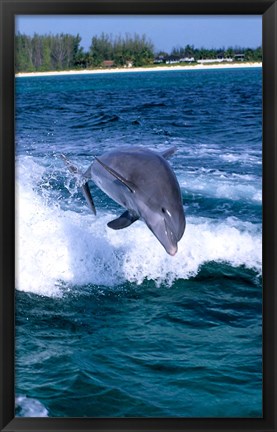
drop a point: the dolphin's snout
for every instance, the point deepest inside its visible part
(173, 250)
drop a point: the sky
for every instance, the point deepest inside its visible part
(165, 32)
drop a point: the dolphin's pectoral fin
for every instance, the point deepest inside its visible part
(167, 153)
(125, 220)
(88, 197)
(119, 177)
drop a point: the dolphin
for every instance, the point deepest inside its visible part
(143, 182)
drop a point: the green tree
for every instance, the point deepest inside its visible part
(229, 53)
(135, 49)
(258, 54)
(23, 53)
(189, 51)
(46, 64)
(101, 49)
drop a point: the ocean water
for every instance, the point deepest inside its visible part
(108, 324)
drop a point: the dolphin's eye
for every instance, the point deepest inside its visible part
(165, 211)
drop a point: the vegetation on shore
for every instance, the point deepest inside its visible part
(44, 53)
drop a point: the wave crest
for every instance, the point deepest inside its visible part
(63, 247)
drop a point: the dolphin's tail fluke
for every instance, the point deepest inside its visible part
(85, 189)
(72, 168)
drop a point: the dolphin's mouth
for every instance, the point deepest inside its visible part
(165, 235)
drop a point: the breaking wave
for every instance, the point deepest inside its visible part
(60, 247)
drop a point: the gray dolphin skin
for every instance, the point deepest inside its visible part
(143, 182)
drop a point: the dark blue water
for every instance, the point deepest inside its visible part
(108, 324)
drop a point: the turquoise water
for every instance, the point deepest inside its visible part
(108, 324)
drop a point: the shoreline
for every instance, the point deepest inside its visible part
(140, 69)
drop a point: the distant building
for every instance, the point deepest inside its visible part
(128, 64)
(108, 63)
(159, 60)
(207, 61)
(239, 57)
(172, 60)
(219, 59)
(222, 58)
(187, 60)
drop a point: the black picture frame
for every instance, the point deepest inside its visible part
(8, 10)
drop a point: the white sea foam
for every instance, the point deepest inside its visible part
(222, 185)
(242, 158)
(57, 247)
(29, 407)
(212, 151)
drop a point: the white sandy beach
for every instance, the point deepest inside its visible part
(142, 69)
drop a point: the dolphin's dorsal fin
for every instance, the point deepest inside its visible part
(125, 220)
(167, 153)
(119, 177)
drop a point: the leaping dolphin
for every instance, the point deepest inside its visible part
(142, 181)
